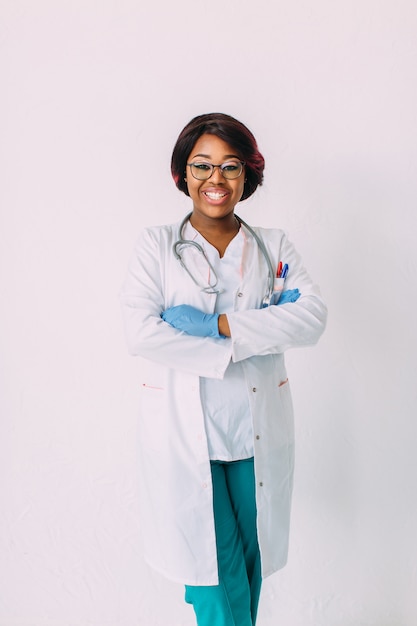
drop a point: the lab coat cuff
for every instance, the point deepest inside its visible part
(240, 347)
(221, 367)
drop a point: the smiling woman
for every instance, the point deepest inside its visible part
(217, 478)
(215, 195)
(232, 132)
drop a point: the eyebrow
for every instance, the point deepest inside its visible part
(207, 156)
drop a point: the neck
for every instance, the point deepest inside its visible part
(218, 232)
(221, 226)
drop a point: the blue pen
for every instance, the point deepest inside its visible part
(284, 271)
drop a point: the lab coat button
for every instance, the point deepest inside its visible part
(240, 294)
(257, 436)
(254, 389)
(204, 485)
(261, 484)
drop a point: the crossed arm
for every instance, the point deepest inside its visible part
(195, 322)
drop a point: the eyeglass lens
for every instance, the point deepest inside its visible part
(203, 171)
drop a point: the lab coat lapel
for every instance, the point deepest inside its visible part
(254, 274)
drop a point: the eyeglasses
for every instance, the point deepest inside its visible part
(203, 171)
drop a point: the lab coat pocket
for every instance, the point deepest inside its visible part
(287, 408)
(152, 423)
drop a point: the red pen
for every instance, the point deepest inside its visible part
(279, 269)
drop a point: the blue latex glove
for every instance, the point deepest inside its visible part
(192, 321)
(289, 295)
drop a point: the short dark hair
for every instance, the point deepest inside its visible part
(233, 132)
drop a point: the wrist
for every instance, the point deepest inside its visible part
(223, 324)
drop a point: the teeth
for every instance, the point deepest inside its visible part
(215, 195)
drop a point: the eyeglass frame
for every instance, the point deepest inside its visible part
(220, 165)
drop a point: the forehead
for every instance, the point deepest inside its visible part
(213, 147)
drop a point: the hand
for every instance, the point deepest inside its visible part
(289, 295)
(192, 321)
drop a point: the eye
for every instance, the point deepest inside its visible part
(230, 167)
(202, 167)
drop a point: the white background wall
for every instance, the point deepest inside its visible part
(93, 96)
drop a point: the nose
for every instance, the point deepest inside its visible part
(217, 174)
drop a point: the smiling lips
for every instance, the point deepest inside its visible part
(215, 194)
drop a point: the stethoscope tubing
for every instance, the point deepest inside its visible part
(261, 245)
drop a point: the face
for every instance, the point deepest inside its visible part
(216, 197)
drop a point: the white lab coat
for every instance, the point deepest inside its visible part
(176, 490)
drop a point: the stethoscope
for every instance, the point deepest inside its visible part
(212, 288)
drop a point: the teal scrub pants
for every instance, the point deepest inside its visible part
(234, 601)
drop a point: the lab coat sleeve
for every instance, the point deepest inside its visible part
(142, 300)
(274, 329)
